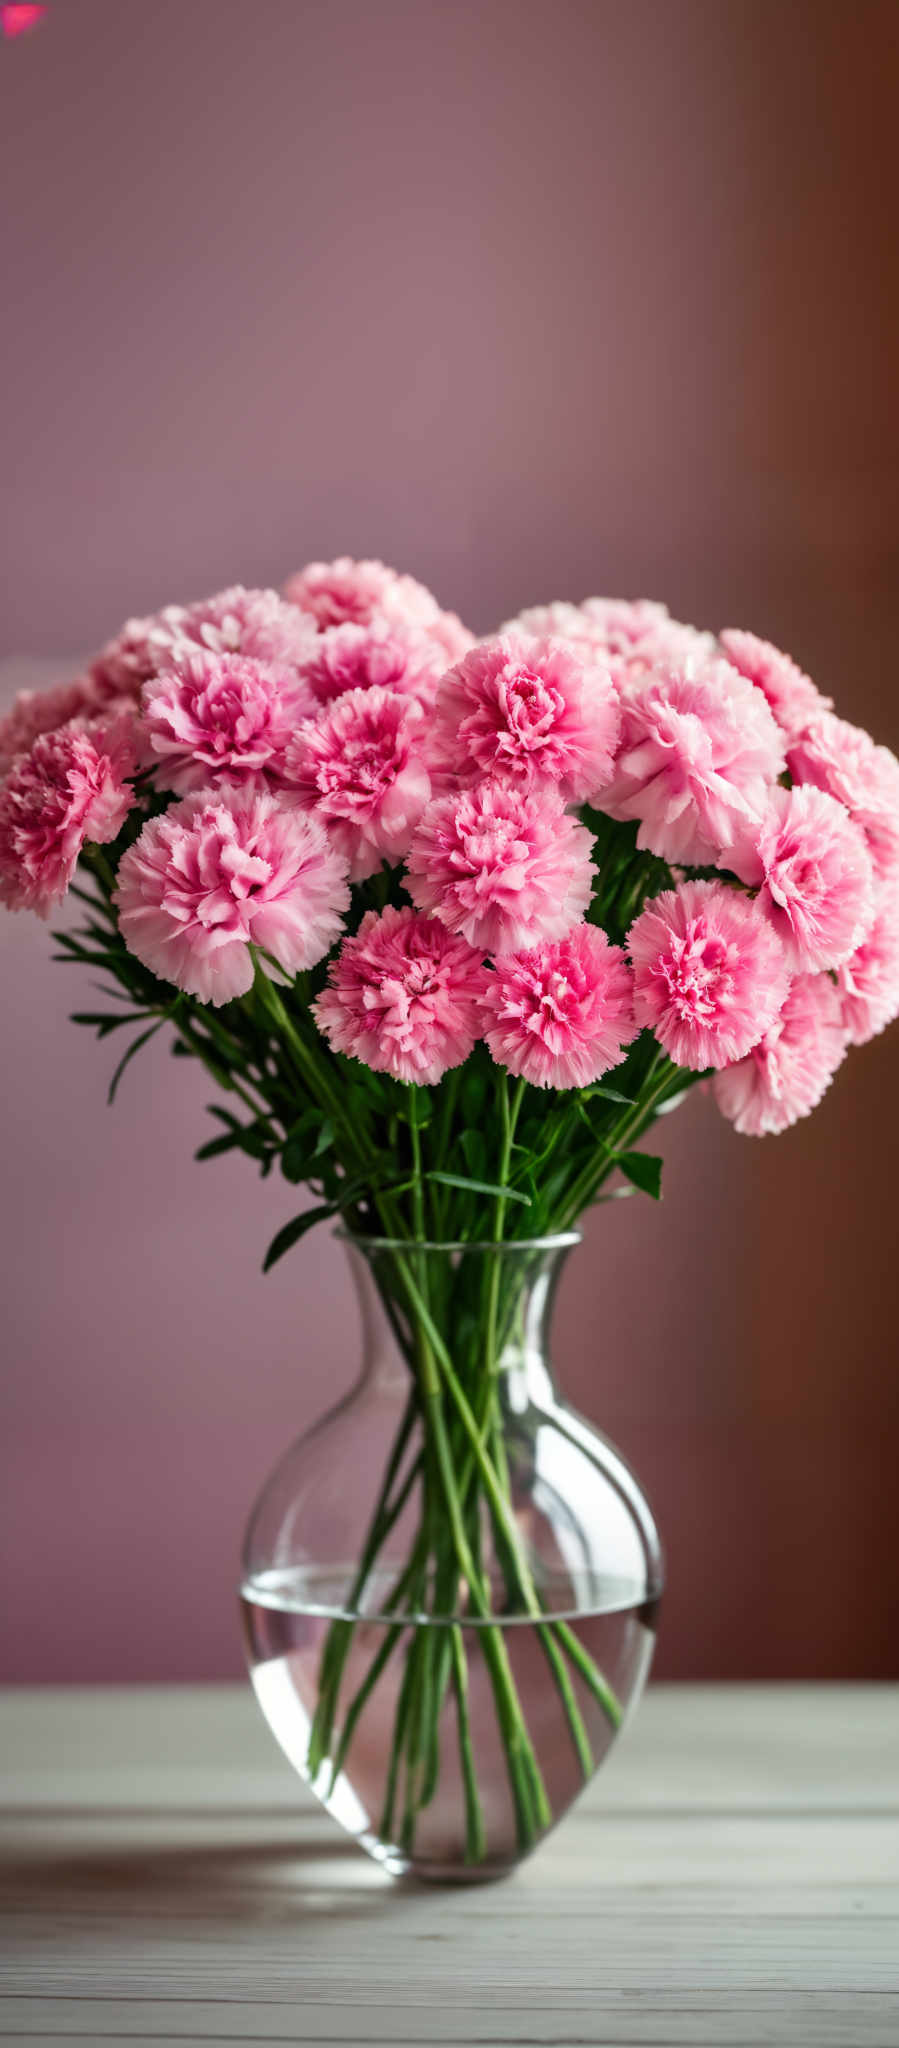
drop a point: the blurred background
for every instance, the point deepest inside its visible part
(533, 298)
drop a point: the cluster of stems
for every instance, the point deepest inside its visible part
(450, 1448)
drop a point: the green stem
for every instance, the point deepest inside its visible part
(259, 1111)
(475, 1838)
(311, 1066)
(531, 1800)
(510, 1115)
(339, 1637)
(546, 1636)
(95, 858)
(602, 1692)
(364, 1693)
(588, 1183)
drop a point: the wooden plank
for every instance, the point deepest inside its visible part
(732, 1878)
(828, 1747)
(700, 2021)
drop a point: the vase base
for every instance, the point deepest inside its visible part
(413, 1871)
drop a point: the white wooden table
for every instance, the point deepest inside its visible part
(731, 1878)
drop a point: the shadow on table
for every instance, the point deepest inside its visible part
(325, 1876)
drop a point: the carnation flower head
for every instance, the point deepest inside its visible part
(814, 871)
(334, 593)
(560, 1014)
(360, 768)
(449, 637)
(402, 997)
(786, 1073)
(502, 866)
(221, 871)
(699, 754)
(612, 625)
(530, 712)
(209, 715)
(792, 695)
(868, 982)
(627, 636)
(378, 656)
(136, 653)
(844, 760)
(256, 623)
(37, 711)
(670, 645)
(710, 973)
(70, 788)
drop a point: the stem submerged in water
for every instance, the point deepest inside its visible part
(465, 1490)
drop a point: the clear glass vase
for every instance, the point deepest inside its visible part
(451, 1583)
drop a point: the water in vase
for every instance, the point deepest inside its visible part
(409, 1810)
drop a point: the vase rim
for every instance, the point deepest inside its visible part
(556, 1241)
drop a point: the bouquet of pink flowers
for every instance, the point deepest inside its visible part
(451, 921)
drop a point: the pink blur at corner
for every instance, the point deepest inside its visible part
(18, 16)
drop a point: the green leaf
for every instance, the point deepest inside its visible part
(134, 1047)
(299, 1154)
(476, 1187)
(643, 1170)
(291, 1232)
(213, 1146)
(225, 1116)
(607, 1095)
(253, 1141)
(672, 1101)
(105, 1023)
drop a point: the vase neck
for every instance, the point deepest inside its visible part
(489, 1305)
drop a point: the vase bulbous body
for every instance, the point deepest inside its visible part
(450, 1583)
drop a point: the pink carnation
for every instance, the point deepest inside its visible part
(793, 697)
(221, 715)
(627, 636)
(710, 974)
(532, 712)
(669, 645)
(403, 997)
(335, 593)
(814, 870)
(699, 754)
(221, 871)
(449, 637)
(609, 624)
(37, 711)
(843, 759)
(70, 788)
(380, 656)
(787, 1072)
(136, 653)
(256, 623)
(346, 592)
(360, 767)
(868, 983)
(561, 1014)
(503, 867)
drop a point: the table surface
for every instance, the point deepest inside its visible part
(730, 1878)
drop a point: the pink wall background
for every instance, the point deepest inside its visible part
(533, 298)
